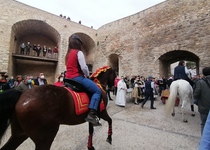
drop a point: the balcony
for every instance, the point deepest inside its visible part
(34, 58)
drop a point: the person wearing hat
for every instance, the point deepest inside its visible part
(77, 70)
(202, 94)
(149, 92)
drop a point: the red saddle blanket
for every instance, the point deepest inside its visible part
(82, 101)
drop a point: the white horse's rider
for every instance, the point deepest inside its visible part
(181, 72)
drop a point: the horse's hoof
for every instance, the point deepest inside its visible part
(109, 141)
(92, 148)
(173, 114)
(185, 121)
(193, 115)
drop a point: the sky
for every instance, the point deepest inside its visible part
(92, 12)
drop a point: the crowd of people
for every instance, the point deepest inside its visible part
(146, 89)
(37, 50)
(21, 82)
(142, 87)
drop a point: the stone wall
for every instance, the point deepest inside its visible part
(145, 43)
(141, 39)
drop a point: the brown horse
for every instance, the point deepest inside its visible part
(38, 112)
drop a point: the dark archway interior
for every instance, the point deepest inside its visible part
(114, 62)
(173, 56)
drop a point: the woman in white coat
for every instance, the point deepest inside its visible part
(121, 93)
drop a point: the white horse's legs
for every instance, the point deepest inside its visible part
(184, 103)
(173, 113)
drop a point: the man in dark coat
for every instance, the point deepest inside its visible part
(181, 72)
(149, 92)
(40, 80)
(202, 94)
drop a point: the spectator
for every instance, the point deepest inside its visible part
(136, 90)
(149, 92)
(4, 85)
(201, 94)
(55, 52)
(40, 80)
(22, 48)
(38, 50)
(132, 81)
(11, 82)
(28, 48)
(34, 49)
(18, 80)
(60, 80)
(49, 52)
(117, 79)
(169, 81)
(44, 50)
(161, 86)
(26, 84)
(121, 93)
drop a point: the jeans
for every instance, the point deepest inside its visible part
(93, 89)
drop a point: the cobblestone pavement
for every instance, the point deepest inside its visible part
(134, 128)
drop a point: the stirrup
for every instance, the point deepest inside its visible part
(93, 120)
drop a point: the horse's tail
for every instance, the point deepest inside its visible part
(170, 102)
(8, 100)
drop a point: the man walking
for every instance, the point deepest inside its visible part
(149, 92)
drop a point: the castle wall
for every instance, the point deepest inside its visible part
(141, 39)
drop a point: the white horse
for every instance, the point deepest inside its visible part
(183, 90)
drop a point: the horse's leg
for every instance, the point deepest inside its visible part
(173, 113)
(184, 102)
(43, 135)
(90, 137)
(104, 115)
(17, 136)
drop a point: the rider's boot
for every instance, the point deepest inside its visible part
(93, 118)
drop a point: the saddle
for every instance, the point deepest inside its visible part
(80, 95)
(74, 85)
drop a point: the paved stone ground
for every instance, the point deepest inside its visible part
(133, 129)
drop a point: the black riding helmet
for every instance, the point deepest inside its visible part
(74, 36)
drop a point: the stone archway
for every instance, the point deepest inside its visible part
(173, 56)
(114, 62)
(35, 32)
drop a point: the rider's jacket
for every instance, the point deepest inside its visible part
(73, 68)
(179, 73)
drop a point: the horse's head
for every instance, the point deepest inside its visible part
(105, 75)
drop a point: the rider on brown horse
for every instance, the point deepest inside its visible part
(77, 70)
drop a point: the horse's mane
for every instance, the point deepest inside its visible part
(98, 71)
